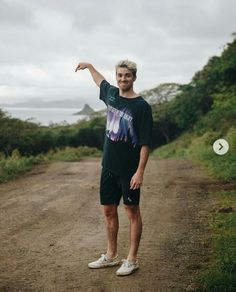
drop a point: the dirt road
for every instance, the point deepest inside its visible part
(51, 226)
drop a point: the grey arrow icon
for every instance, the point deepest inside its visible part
(221, 146)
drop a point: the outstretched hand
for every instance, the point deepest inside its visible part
(81, 66)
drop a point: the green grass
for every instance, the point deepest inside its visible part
(15, 165)
(73, 154)
(221, 272)
(199, 149)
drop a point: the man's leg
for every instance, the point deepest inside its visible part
(112, 227)
(109, 259)
(134, 215)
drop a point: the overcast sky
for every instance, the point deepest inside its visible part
(41, 42)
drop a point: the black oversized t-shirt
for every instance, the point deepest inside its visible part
(128, 127)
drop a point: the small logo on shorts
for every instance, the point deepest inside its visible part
(129, 199)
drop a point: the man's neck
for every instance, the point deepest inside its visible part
(128, 94)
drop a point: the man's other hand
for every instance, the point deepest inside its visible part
(82, 66)
(136, 181)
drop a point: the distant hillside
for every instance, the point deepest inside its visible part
(87, 110)
(161, 93)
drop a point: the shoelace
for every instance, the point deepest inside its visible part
(103, 258)
(127, 263)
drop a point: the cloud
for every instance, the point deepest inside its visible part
(13, 13)
(42, 42)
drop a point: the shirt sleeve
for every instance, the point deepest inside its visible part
(104, 90)
(145, 126)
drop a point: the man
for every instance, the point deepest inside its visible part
(125, 154)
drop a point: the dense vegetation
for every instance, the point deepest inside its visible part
(207, 103)
(203, 112)
(32, 139)
(24, 143)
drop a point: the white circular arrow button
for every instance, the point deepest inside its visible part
(221, 146)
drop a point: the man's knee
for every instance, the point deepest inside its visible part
(132, 211)
(110, 211)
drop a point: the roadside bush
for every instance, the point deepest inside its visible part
(14, 165)
(73, 154)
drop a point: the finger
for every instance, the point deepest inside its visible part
(77, 68)
(135, 186)
(132, 185)
(131, 182)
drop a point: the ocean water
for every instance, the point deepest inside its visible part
(45, 116)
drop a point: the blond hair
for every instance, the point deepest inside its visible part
(129, 65)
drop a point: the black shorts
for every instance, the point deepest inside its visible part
(113, 187)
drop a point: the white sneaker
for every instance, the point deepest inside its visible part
(127, 268)
(103, 262)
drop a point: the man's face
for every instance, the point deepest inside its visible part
(124, 78)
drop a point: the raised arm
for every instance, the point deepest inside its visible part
(97, 77)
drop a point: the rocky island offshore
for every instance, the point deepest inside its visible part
(87, 111)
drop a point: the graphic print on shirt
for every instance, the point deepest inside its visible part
(120, 125)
